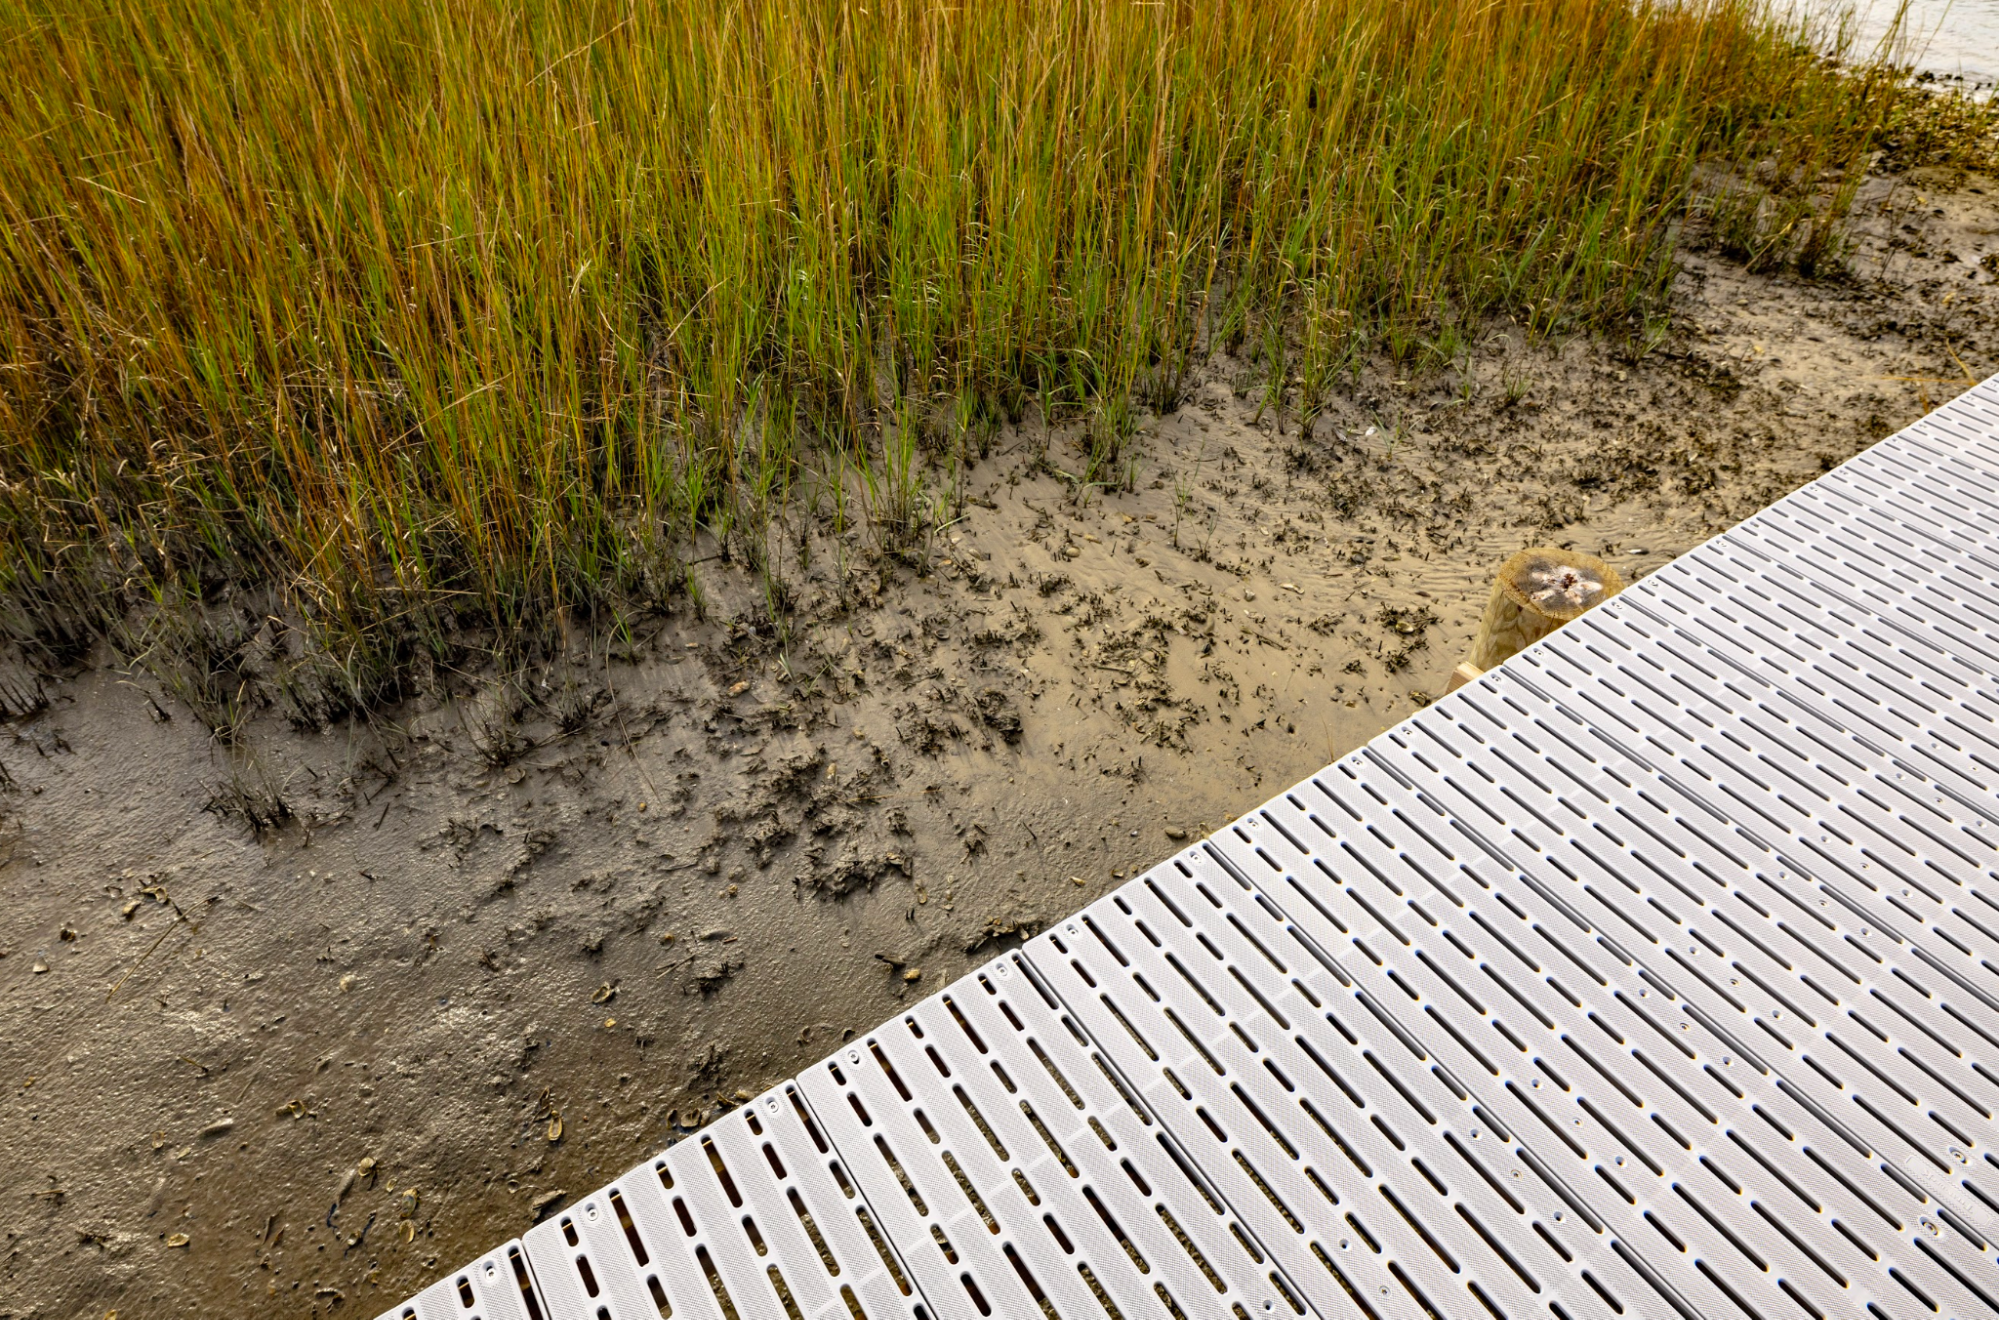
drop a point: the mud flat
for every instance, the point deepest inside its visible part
(290, 1023)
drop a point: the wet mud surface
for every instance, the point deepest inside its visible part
(292, 1023)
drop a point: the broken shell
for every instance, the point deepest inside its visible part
(176, 1239)
(406, 1209)
(555, 1127)
(605, 994)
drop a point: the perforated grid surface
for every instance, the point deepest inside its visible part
(497, 1286)
(755, 1214)
(1012, 1167)
(1655, 973)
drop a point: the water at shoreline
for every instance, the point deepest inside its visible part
(1950, 38)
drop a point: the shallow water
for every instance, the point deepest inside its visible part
(1947, 37)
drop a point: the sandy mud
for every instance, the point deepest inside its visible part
(291, 1023)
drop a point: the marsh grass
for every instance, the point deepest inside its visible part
(459, 314)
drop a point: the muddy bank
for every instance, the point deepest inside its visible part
(291, 1024)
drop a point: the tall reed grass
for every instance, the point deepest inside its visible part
(461, 310)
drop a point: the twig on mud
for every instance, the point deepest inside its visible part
(179, 917)
(623, 732)
(1969, 379)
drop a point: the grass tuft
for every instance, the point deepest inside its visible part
(462, 314)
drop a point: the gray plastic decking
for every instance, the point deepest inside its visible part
(1654, 974)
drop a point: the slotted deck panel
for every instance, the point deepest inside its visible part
(1656, 973)
(497, 1286)
(1011, 1166)
(754, 1209)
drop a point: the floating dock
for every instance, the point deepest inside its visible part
(1653, 974)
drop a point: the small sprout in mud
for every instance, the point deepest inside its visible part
(1076, 880)
(177, 1239)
